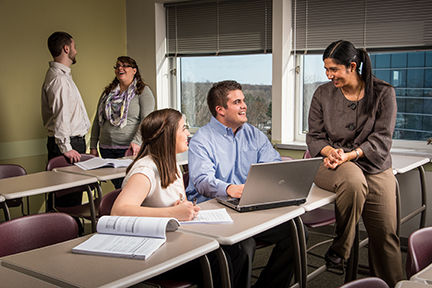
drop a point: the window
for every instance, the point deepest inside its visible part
(210, 41)
(411, 75)
(197, 74)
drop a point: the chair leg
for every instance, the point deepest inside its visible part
(92, 209)
(6, 211)
(206, 272)
(223, 268)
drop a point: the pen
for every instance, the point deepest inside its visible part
(194, 201)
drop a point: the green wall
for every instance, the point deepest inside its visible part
(99, 30)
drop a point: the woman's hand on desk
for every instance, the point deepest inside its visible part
(185, 210)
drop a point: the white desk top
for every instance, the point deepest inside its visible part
(405, 163)
(58, 265)
(11, 278)
(41, 182)
(245, 225)
(424, 276)
(411, 284)
(317, 198)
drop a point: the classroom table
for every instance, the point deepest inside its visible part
(423, 276)
(40, 183)
(109, 173)
(44, 182)
(11, 278)
(56, 264)
(402, 164)
(411, 284)
(245, 225)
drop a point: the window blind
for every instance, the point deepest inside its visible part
(372, 24)
(197, 28)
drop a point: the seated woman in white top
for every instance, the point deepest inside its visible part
(153, 185)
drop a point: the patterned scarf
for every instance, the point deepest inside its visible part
(115, 105)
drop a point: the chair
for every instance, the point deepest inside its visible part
(419, 252)
(12, 170)
(107, 202)
(369, 282)
(86, 210)
(35, 231)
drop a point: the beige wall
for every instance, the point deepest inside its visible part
(99, 29)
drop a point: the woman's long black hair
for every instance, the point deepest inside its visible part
(343, 53)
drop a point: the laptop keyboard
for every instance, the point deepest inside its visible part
(234, 201)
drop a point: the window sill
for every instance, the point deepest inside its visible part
(292, 146)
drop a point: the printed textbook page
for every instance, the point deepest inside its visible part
(97, 162)
(213, 216)
(129, 237)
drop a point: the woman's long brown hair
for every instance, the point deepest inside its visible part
(159, 131)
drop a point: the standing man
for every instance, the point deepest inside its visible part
(63, 111)
(220, 155)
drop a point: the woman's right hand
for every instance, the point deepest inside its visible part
(185, 210)
(93, 151)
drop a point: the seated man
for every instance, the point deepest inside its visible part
(220, 155)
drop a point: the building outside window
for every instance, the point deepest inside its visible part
(411, 75)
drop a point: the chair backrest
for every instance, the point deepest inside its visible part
(369, 282)
(62, 161)
(35, 231)
(307, 154)
(419, 254)
(107, 202)
(11, 170)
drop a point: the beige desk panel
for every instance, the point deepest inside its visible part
(102, 174)
(67, 269)
(411, 284)
(41, 182)
(11, 278)
(424, 276)
(317, 198)
(245, 225)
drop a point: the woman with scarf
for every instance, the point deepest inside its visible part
(124, 103)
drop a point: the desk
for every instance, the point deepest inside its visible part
(40, 183)
(45, 182)
(63, 268)
(402, 164)
(11, 278)
(424, 276)
(245, 225)
(411, 284)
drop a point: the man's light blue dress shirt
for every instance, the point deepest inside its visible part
(218, 158)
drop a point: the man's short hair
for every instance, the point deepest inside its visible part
(218, 94)
(57, 41)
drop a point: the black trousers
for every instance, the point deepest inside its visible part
(281, 264)
(78, 144)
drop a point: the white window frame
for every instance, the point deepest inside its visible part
(287, 87)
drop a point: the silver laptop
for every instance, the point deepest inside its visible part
(275, 184)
